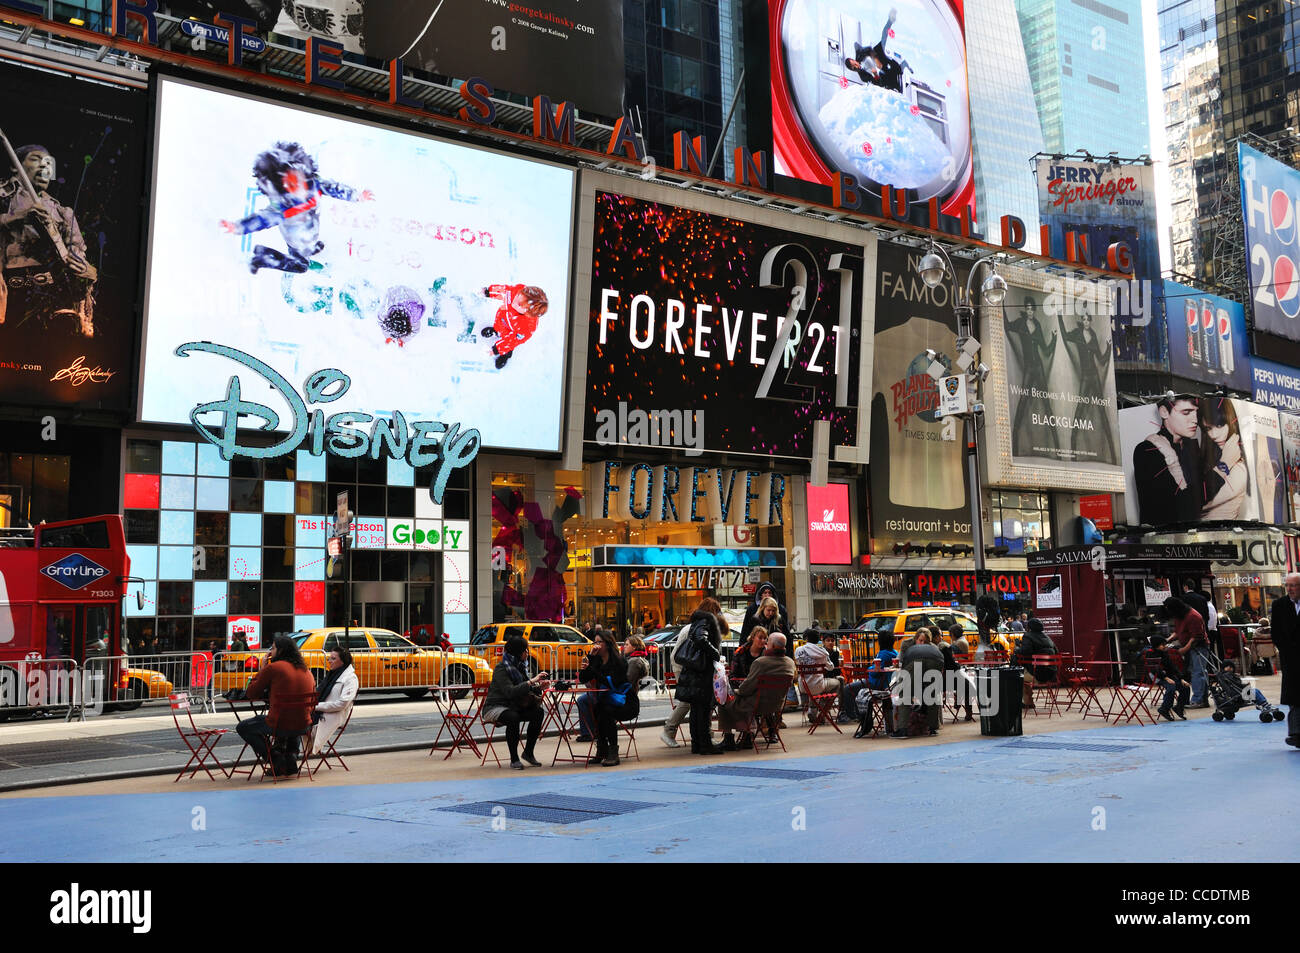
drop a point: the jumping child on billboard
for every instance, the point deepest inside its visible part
(516, 319)
(288, 177)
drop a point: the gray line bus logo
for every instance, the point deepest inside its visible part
(75, 571)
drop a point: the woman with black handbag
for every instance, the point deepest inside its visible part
(695, 684)
(607, 668)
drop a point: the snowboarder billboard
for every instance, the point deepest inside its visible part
(436, 274)
(70, 162)
(875, 89)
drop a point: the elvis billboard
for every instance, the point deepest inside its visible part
(70, 167)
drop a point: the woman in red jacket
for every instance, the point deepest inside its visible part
(283, 674)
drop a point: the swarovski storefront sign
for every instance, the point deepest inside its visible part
(862, 585)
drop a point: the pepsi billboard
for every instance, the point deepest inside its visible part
(1269, 193)
(1207, 337)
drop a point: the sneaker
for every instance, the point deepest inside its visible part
(1165, 714)
(529, 759)
(610, 762)
(517, 765)
(669, 739)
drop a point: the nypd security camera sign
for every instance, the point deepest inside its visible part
(952, 395)
(75, 571)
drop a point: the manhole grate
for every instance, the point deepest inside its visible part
(1064, 746)
(779, 774)
(551, 808)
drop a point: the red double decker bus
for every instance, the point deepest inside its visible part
(61, 591)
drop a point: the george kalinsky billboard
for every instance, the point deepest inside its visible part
(874, 89)
(1270, 193)
(1104, 203)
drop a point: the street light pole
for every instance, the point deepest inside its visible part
(935, 267)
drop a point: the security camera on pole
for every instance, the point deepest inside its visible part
(339, 546)
(959, 394)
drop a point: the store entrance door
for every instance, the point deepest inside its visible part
(383, 615)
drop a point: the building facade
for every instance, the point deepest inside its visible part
(1084, 61)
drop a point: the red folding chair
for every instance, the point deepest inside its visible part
(304, 702)
(821, 707)
(201, 680)
(200, 741)
(1130, 703)
(458, 724)
(328, 750)
(771, 691)
(1046, 689)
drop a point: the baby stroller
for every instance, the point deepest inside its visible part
(1232, 693)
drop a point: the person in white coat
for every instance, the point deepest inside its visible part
(337, 692)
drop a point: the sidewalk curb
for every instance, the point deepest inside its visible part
(163, 770)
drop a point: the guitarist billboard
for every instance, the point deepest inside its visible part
(70, 163)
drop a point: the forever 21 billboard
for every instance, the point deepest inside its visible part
(750, 333)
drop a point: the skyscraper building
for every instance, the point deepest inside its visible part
(1085, 61)
(1258, 70)
(1004, 121)
(1193, 115)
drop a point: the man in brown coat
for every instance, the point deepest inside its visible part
(736, 712)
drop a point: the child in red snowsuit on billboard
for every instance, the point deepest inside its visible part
(516, 318)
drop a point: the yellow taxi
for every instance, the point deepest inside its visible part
(558, 649)
(136, 685)
(903, 623)
(382, 659)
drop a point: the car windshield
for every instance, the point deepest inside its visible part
(881, 625)
(300, 637)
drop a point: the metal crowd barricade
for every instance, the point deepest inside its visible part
(48, 684)
(151, 679)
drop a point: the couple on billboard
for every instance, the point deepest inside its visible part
(289, 179)
(1194, 467)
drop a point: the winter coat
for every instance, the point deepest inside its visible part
(696, 686)
(613, 671)
(334, 709)
(503, 694)
(1285, 626)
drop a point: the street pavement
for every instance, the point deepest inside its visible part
(1194, 791)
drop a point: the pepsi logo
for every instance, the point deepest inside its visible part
(1225, 326)
(1282, 216)
(1207, 319)
(1285, 285)
(1191, 315)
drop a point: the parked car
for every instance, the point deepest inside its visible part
(383, 660)
(558, 649)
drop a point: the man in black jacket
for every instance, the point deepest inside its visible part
(1034, 642)
(873, 65)
(1167, 466)
(1285, 625)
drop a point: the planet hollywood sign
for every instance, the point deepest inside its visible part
(927, 584)
(553, 124)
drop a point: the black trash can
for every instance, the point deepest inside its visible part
(1006, 696)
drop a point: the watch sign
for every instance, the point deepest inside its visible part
(830, 542)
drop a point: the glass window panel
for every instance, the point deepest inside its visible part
(143, 456)
(213, 563)
(277, 530)
(277, 597)
(212, 529)
(141, 526)
(246, 496)
(175, 598)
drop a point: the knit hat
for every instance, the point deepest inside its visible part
(1033, 625)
